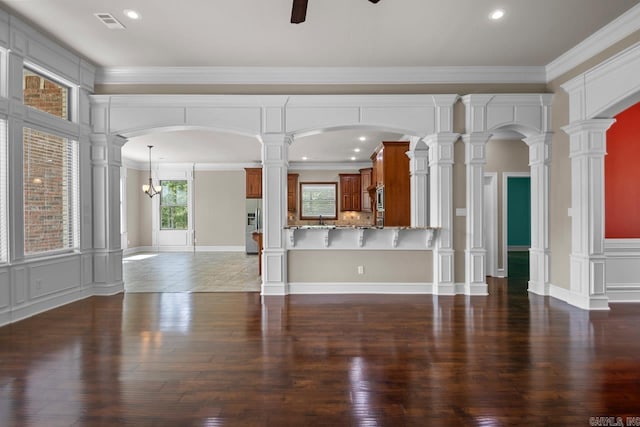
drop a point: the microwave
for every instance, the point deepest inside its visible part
(380, 198)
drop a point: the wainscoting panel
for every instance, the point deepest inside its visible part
(623, 270)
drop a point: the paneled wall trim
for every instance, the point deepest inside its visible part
(595, 97)
(29, 285)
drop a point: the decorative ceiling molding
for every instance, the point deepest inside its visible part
(201, 167)
(334, 166)
(320, 75)
(607, 36)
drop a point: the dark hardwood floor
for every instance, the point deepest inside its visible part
(362, 360)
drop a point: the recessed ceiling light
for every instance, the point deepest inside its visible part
(132, 14)
(357, 150)
(363, 138)
(305, 158)
(497, 14)
(353, 158)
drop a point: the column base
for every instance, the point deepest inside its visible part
(539, 271)
(274, 272)
(476, 289)
(443, 272)
(475, 279)
(538, 288)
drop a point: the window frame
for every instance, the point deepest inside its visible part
(334, 215)
(48, 75)
(72, 212)
(185, 205)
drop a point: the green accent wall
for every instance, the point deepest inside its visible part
(519, 211)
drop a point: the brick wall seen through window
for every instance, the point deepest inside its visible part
(44, 94)
(49, 192)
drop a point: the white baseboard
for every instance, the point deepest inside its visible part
(35, 307)
(138, 249)
(221, 248)
(360, 288)
(577, 300)
(108, 289)
(278, 289)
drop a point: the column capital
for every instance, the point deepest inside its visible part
(441, 138)
(592, 125)
(441, 148)
(418, 162)
(475, 147)
(275, 149)
(539, 148)
(588, 137)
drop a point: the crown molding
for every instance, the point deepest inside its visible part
(320, 75)
(198, 167)
(201, 167)
(332, 166)
(607, 36)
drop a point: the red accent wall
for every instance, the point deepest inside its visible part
(622, 176)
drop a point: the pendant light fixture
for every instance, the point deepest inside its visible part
(150, 189)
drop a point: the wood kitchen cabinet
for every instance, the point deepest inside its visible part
(366, 177)
(292, 192)
(253, 186)
(350, 192)
(391, 172)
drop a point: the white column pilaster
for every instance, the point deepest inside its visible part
(419, 170)
(441, 159)
(106, 161)
(539, 160)
(475, 252)
(275, 162)
(588, 148)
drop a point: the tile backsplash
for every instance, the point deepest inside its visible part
(344, 218)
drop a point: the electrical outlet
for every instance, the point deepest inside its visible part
(361, 269)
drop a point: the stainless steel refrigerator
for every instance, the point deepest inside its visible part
(253, 222)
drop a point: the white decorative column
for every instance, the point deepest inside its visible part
(275, 162)
(588, 148)
(539, 159)
(441, 161)
(105, 170)
(475, 160)
(419, 171)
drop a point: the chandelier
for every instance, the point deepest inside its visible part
(150, 189)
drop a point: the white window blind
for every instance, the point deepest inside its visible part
(51, 213)
(4, 238)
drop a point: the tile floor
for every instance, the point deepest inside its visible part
(191, 272)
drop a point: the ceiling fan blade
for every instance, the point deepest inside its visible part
(299, 11)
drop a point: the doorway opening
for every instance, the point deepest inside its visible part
(517, 224)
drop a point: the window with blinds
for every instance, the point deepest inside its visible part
(4, 239)
(51, 216)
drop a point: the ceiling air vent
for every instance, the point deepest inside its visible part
(109, 20)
